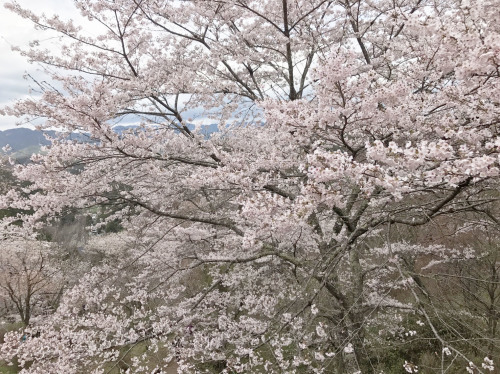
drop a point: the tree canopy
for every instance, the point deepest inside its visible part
(357, 154)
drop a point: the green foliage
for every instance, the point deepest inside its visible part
(113, 226)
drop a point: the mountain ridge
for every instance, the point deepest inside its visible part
(23, 142)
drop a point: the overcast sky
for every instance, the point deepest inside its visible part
(15, 31)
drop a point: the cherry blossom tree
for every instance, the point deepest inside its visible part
(29, 282)
(281, 243)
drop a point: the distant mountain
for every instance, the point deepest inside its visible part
(24, 142)
(21, 138)
(206, 130)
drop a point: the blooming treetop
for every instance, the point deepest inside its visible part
(380, 116)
